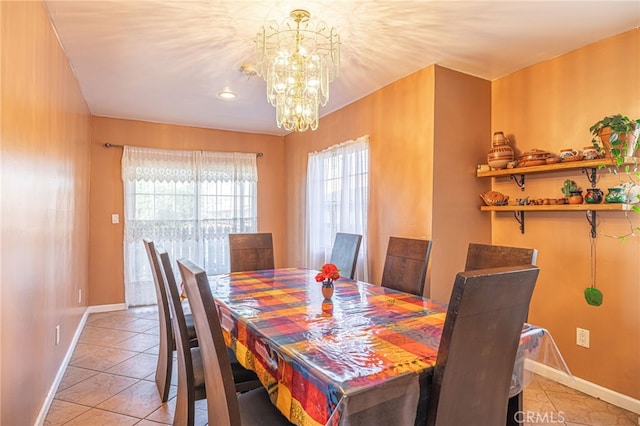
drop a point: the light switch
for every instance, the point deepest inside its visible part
(115, 218)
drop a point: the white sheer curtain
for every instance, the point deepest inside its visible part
(187, 202)
(337, 201)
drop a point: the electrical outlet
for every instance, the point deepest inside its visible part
(582, 337)
(57, 335)
(79, 295)
(115, 218)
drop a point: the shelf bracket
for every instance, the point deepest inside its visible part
(519, 215)
(591, 175)
(519, 182)
(591, 218)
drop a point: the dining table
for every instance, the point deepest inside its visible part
(365, 356)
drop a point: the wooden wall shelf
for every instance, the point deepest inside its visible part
(557, 167)
(588, 167)
(560, 208)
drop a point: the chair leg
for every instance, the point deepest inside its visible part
(163, 370)
(514, 410)
(185, 400)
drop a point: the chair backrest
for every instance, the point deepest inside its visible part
(345, 253)
(222, 403)
(161, 291)
(186, 377)
(483, 256)
(166, 341)
(251, 252)
(478, 346)
(405, 267)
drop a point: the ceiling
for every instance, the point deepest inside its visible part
(165, 61)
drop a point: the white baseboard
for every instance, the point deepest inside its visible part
(596, 391)
(107, 308)
(65, 362)
(63, 366)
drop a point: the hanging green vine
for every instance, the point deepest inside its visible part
(592, 294)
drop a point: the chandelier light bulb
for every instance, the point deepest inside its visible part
(298, 58)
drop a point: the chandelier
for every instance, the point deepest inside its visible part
(298, 59)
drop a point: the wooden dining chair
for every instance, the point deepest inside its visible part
(251, 252)
(483, 256)
(224, 407)
(478, 347)
(167, 343)
(345, 253)
(191, 384)
(189, 367)
(405, 267)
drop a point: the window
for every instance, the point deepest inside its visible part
(186, 202)
(337, 200)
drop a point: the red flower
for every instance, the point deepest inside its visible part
(329, 272)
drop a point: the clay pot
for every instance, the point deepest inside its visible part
(590, 152)
(500, 153)
(575, 197)
(628, 142)
(568, 152)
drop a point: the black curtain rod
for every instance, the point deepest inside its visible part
(109, 145)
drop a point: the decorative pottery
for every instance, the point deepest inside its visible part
(575, 197)
(535, 157)
(616, 195)
(590, 152)
(568, 152)
(327, 289)
(593, 196)
(494, 198)
(500, 153)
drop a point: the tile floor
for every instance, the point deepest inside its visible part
(110, 381)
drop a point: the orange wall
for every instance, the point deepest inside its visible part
(462, 139)
(416, 167)
(106, 270)
(551, 106)
(44, 141)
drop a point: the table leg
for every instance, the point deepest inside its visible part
(514, 410)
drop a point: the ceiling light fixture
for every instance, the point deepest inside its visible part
(298, 59)
(227, 95)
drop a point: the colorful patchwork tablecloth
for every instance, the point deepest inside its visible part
(329, 362)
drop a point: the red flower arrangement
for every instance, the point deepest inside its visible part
(329, 273)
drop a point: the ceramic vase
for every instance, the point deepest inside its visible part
(593, 196)
(500, 153)
(327, 289)
(616, 195)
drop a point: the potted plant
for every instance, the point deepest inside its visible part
(617, 134)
